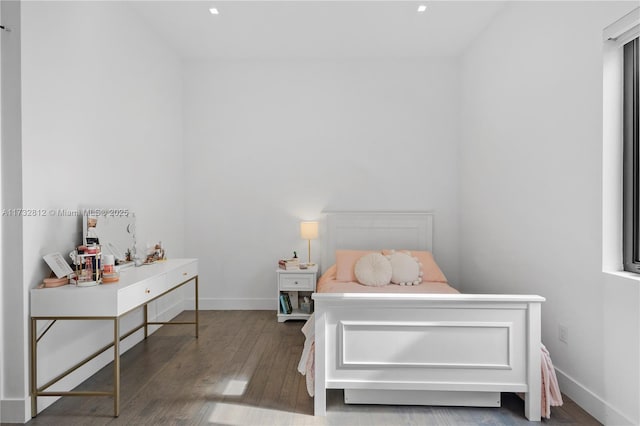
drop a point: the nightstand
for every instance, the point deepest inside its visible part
(297, 283)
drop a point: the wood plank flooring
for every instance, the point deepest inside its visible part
(243, 371)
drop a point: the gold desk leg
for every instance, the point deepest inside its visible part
(196, 306)
(34, 368)
(116, 367)
(146, 319)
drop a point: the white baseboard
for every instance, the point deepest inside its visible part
(15, 410)
(590, 402)
(233, 304)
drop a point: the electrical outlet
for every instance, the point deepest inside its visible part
(563, 333)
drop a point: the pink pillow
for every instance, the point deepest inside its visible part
(329, 275)
(430, 270)
(346, 262)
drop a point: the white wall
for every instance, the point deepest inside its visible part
(102, 127)
(531, 192)
(273, 142)
(14, 304)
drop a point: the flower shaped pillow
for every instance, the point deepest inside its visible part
(405, 268)
(373, 269)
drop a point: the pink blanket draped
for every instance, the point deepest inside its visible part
(551, 396)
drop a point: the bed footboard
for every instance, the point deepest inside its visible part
(454, 349)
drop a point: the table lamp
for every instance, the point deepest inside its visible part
(309, 231)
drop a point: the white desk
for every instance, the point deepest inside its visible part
(136, 288)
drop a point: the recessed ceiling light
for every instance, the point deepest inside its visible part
(422, 8)
(214, 11)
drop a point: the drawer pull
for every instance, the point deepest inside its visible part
(147, 291)
(296, 282)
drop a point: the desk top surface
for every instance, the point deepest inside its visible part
(110, 299)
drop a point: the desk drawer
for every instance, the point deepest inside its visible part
(297, 282)
(182, 274)
(142, 292)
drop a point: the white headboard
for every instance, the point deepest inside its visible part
(376, 230)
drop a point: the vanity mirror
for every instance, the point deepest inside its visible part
(115, 233)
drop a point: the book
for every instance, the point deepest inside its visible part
(285, 304)
(289, 264)
(58, 265)
(289, 267)
(287, 300)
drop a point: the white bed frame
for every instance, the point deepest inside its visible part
(431, 349)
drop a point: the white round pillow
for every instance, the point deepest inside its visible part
(373, 269)
(405, 269)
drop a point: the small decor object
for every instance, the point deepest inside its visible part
(309, 231)
(108, 264)
(154, 254)
(92, 234)
(88, 263)
(109, 274)
(54, 282)
(306, 305)
(373, 269)
(110, 278)
(160, 251)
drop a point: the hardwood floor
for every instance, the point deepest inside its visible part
(243, 371)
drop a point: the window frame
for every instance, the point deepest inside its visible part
(631, 157)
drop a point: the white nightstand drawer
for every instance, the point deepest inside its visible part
(297, 282)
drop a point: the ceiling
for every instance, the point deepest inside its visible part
(317, 29)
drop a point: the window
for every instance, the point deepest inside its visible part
(631, 158)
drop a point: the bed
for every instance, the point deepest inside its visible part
(417, 348)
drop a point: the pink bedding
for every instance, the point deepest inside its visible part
(328, 284)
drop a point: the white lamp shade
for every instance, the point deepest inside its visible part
(308, 230)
